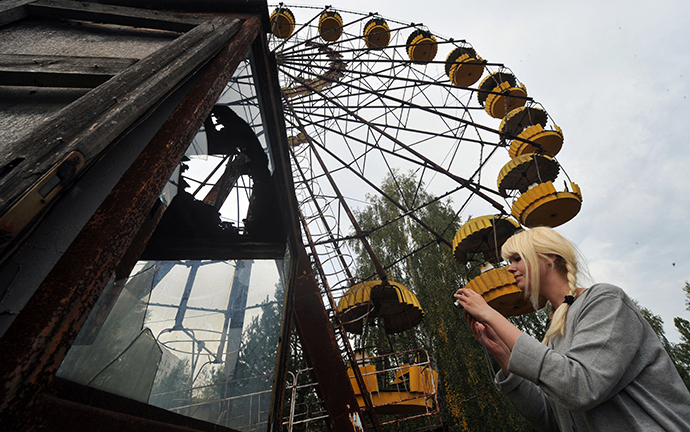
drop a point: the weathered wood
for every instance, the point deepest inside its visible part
(101, 13)
(253, 7)
(56, 312)
(59, 71)
(95, 120)
(13, 10)
(64, 64)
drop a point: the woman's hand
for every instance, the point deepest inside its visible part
(474, 304)
(499, 334)
(486, 335)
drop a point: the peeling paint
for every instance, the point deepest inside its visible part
(356, 422)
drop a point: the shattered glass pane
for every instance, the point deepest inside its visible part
(195, 337)
(113, 351)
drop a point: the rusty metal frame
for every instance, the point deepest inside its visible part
(316, 332)
(323, 354)
(54, 315)
(33, 397)
(307, 311)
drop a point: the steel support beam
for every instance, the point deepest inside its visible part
(323, 353)
(307, 309)
(268, 92)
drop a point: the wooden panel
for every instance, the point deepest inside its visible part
(64, 9)
(35, 344)
(59, 71)
(91, 123)
(13, 10)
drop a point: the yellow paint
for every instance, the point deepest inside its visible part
(412, 391)
(421, 47)
(504, 99)
(550, 141)
(330, 26)
(542, 205)
(377, 34)
(477, 234)
(282, 23)
(466, 70)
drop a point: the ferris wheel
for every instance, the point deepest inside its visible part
(366, 97)
(367, 100)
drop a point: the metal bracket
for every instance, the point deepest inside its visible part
(34, 202)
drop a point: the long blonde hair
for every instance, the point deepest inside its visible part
(545, 243)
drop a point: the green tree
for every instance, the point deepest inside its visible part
(415, 258)
(534, 324)
(240, 397)
(256, 364)
(681, 350)
(252, 379)
(657, 324)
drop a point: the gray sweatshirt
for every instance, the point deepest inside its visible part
(609, 372)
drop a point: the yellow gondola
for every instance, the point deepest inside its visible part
(421, 47)
(483, 234)
(377, 34)
(464, 67)
(408, 388)
(521, 118)
(392, 301)
(499, 289)
(411, 391)
(330, 26)
(282, 23)
(500, 93)
(549, 142)
(525, 170)
(542, 205)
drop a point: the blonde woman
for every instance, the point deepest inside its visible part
(600, 367)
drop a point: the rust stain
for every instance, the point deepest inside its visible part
(36, 343)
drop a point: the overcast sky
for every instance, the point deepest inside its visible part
(614, 76)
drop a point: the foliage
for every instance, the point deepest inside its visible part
(414, 257)
(241, 397)
(172, 384)
(260, 340)
(534, 324)
(679, 352)
(253, 374)
(657, 324)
